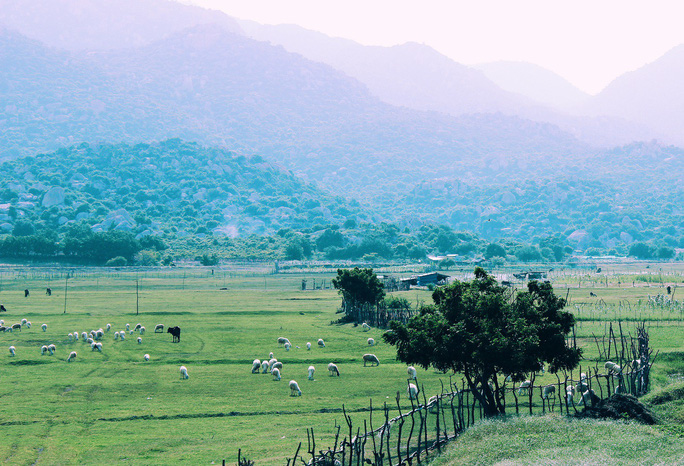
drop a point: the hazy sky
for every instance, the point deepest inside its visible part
(587, 42)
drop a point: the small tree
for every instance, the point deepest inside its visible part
(478, 329)
(358, 286)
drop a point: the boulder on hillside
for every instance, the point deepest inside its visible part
(55, 196)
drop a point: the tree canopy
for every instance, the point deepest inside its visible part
(481, 330)
(358, 286)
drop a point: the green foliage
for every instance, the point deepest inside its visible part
(117, 261)
(475, 328)
(358, 286)
(641, 250)
(208, 260)
(494, 250)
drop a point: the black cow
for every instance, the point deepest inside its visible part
(48, 291)
(2, 308)
(175, 331)
(26, 293)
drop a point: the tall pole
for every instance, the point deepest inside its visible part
(66, 288)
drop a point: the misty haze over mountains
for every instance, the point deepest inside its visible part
(384, 124)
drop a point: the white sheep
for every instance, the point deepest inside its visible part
(282, 340)
(116, 336)
(589, 397)
(371, 342)
(23, 322)
(294, 388)
(44, 327)
(137, 326)
(308, 346)
(264, 367)
(43, 350)
(412, 372)
(548, 391)
(90, 341)
(122, 336)
(130, 332)
(276, 374)
(321, 343)
(270, 355)
(142, 330)
(76, 336)
(365, 327)
(70, 337)
(93, 346)
(108, 327)
(139, 341)
(370, 358)
(312, 369)
(84, 336)
(277, 365)
(524, 387)
(72, 356)
(12, 350)
(332, 368)
(128, 327)
(98, 346)
(570, 394)
(159, 328)
(99, 334)
(52, 349)
(256, 365)
(612, 368)
(184, 372)
(146, 357)
(412, 391)
(287, 346)
(271, 362)
(28, 324)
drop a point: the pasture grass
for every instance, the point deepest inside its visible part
(113, 407)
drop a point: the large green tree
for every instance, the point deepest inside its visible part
(479, 329)
(358, 286)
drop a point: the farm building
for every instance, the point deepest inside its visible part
(425, 279)
(530, 275)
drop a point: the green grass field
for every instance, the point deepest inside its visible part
(113, 407)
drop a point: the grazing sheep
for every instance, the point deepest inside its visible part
(52, 349)
(276, 374)
(370, 358)
(93, 346)
(76, 336)
(146, 357)
(137, 326)
(277, 365)
(72, 356)
(308, 346)
(184, 372)
(332, 368)
(142, 330)
(371, 342)
(70, 337)
(524, 387)
(128, 327)
(570, 394)
(294, 389)
(612, 368)
(28, 324)
(256, 365)
(84, 336)
(548, 391)
(90, 341)
(43, 350)
(116, 336)
(264, 367)
(139, 341)
(12, 350)
(159, 328)
(23, 322)
(270, 355)
(412, 391)
(16, 327)
(287, 346)
(108, 327)
(365, 327)
(3, 329)
(271, 362)
(589, 397)
(433, 404)
(412, 372)
(282, 340)
(98, 346)
(312, 369)
(122, 336)
(321, 343)
(130, 332)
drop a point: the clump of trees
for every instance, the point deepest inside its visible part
(480, 329)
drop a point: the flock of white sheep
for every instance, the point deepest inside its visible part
(272, 366)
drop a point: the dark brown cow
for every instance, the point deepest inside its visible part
(175, 331)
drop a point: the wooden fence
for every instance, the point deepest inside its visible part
(410, 436)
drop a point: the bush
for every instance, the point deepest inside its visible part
(118, 261)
